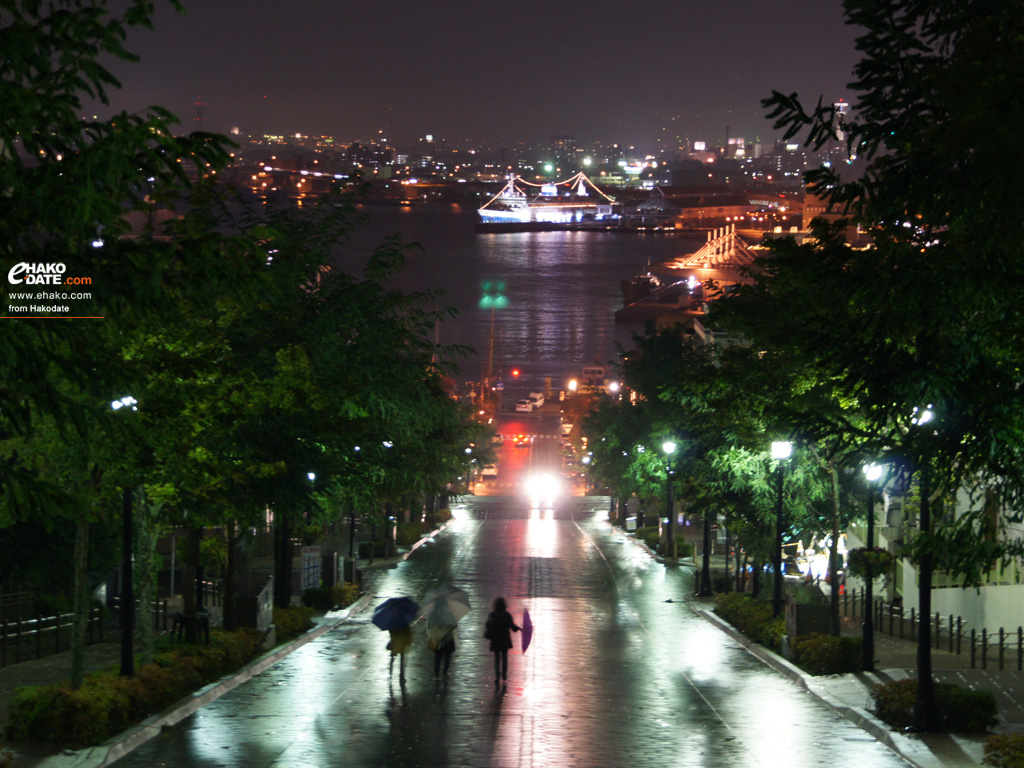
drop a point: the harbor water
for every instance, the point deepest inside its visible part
(550, 296)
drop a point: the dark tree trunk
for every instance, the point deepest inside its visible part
(81, 602)
(189, 576)
(282, 562)
(229, 577)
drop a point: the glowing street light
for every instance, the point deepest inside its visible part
(669, 447)
(871, 473)
(127, 572)
(924, 718)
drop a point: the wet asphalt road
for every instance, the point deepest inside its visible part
(620, 672)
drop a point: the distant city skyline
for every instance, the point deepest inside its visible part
(651, 75)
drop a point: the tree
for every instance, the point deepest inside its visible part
(910, 326)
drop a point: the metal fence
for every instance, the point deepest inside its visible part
(22, 639)
(950, 633)
(16, 601)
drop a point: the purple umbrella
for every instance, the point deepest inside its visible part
(527, 629)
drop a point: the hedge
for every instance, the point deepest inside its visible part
(408, 533)
(752, 617)
(821, 654)
(1005, 750)
(958, 710)
(651, 536)
(292, 622)
(107, 704)
(331, 598)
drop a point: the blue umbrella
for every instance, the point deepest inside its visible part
(395, 613)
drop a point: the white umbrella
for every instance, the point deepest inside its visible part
(445, 605)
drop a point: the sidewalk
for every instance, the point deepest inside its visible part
(850, 695)
(56, 667)
(896, 659)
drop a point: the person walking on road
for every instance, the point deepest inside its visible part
(401, 639)
(498, 630)
(441, 640)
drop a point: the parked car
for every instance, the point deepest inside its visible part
(490, 470)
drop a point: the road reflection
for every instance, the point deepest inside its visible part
(620, 671)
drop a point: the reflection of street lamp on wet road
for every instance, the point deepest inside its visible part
(127, 574)
(871, 473)
(781, 450)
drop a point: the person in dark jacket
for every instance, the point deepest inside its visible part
(441, 640)
(498, 630)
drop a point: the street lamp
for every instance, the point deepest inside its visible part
(669, 447)
(781, 450)
(127, 574)
(871, 473)
(924, 718)
(705, 564)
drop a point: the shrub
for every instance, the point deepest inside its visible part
(1005, 750)
(292, 622)
(879, 560)
(374, 548)
(958, 710)
(826, 655)
(408, 533)
(684, 548)
(329, 598)
(651, 536)
(107, 703)
(648, 535)
(752, 617)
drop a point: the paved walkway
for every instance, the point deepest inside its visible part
(848, 694)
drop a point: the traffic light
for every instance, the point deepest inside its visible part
(515, 373)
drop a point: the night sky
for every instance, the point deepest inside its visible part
(497, 73)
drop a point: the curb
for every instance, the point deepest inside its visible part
(386, 562)
(654, 555)
(121, 745)
(902, 745)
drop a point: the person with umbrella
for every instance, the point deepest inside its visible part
(498, 629)
(442, 608)
(441, 640)
(396, 615)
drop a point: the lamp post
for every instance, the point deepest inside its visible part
(127, 573)
(871, 473)
(669, 447)
(705, 564)
(924, 717)
(781, 450)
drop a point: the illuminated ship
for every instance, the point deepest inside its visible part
(564, 202)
